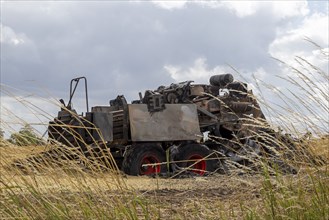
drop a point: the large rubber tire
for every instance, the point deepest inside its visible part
(192, 155)
(138, 155)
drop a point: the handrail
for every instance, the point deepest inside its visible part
(76, 80)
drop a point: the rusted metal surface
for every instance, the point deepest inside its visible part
(175, 122)
(103, 121)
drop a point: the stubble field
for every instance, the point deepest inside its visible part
(68, 192)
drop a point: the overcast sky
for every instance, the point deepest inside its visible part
(127, 47)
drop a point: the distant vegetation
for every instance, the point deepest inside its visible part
(25, 137)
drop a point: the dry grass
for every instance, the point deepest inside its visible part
(59, 193)
(320, 146)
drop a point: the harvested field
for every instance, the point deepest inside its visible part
(72, 193)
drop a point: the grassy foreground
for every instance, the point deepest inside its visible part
(69, 192)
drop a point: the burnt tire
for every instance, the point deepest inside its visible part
(137, 156)
(191, 157)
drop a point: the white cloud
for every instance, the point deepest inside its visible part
(199, 72)
(291, 43)
(284, 9)
(171, 4)
(260, 73)
(9, 36)
(242, 8)
(279, 9)
(16, 45)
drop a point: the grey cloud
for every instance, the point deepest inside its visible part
(122, 47)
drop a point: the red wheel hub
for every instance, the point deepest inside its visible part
(148, 167)
(197, 163)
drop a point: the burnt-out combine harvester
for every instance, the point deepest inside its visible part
(182, 126)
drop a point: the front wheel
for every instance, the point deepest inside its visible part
(144, 159)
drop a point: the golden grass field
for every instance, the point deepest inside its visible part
(67, 192)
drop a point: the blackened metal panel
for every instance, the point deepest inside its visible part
(175, 122)
(103, 121)
(104, 108)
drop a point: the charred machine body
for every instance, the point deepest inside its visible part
(183, 125)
